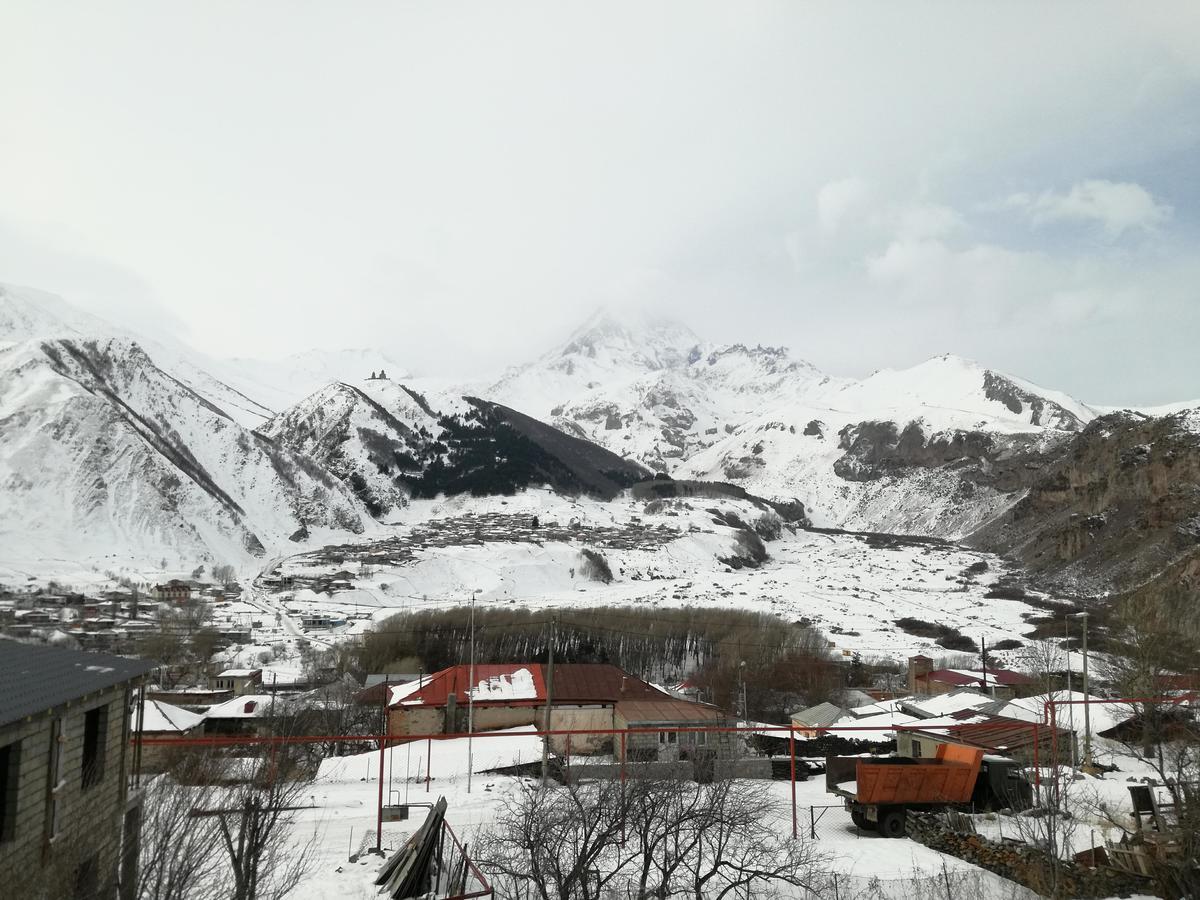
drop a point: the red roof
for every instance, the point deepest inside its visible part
(993, 732)
(573, 683)
(975, 677)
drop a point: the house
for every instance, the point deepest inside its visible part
(66, 807)
(174, 591)
(807, 722)
(925, 680)
(993, 734)
(584, 697)
(240, 681)
(321, 621)
(161, 720)
(948, 703)
(668, 740)
(248, 714)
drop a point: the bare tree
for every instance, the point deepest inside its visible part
(564, 844)
(256, 824)
(179, 858)
(646, 838)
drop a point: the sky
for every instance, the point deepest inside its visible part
(462, 184)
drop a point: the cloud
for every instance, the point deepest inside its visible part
(1117, 206)
(839, 201)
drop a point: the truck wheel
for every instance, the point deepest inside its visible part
(891, 823)
(861, 820)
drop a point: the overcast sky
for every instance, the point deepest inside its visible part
(461, 184)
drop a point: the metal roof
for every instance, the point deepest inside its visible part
(573, 683)
(821, 714)
(669, 711)
(995, 733)
(35, 678)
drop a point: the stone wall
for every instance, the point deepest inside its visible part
(1022, 864)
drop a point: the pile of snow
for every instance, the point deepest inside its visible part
(517, 686)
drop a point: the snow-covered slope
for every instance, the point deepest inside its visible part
(282, 383)
(940, 448)
(28, 314)
(366, 434)
(900, 450)
(651, 390)
(951, 392)
(102, 451)
(388, 442)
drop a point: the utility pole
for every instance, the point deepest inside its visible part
(471, 700)
(1087, 720)
(549, 700)
(983, 657)
(1070, 706)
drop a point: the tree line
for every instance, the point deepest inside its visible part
(726, 654)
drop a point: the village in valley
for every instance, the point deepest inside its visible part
(690, 450)
(386, 723)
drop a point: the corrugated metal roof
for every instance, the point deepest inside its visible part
(573, 683)
(658, 711)
(819, 715)
(989, 732)
(35, 678)
(975, 677)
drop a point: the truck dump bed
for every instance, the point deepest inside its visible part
(947, 778)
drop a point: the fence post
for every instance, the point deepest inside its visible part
(623, 749)
(379, 817)
(428, 761)
(812, 822)
(792, 750)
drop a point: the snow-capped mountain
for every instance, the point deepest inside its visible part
(102, 450)
(651, 390)
(386, 442)
(367, 434)
(280, 384)
(936, 449)
(249, 390)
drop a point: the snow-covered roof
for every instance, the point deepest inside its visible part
(159, 716)
(1068, 712)
(880, 727)
(875, 709)
(248, 706)
(239, 673)
(516, 686)
(945, 704)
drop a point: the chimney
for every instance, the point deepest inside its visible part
(622, 685)
(918, 667)
(250, 704)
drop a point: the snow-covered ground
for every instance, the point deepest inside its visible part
(852, 587)
(345, 798)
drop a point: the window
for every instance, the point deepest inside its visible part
(95, 730)
(667, 737)
(701, 738)
(916, 749)
(10, 779)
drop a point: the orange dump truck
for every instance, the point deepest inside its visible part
(879, 792)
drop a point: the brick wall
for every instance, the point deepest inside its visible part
(90, 820)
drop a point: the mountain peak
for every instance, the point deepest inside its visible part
(648, 338)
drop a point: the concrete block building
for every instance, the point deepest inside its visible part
(69, 822)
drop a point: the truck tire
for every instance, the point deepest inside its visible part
(860, 819)
(891, 822)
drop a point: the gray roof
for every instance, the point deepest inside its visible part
(37, 678)
(818, 716)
